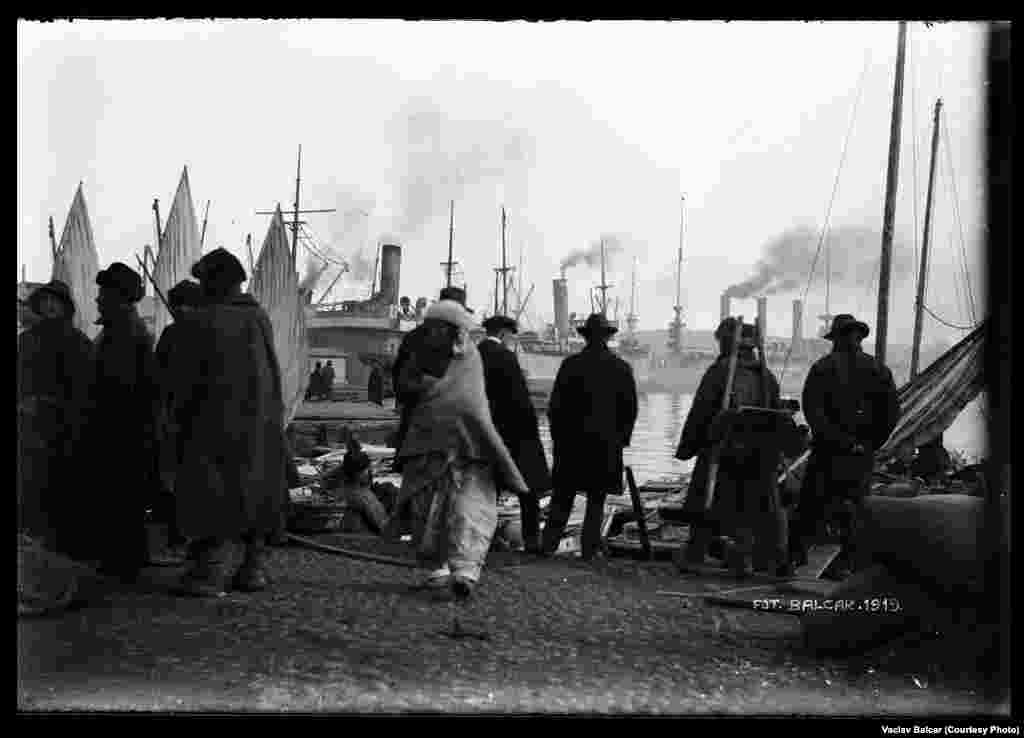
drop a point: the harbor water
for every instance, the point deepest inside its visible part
(660, 421)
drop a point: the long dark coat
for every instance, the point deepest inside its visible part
(513, 414)
(849, 397)
(229, 406)
(753, 385)
(54, 391)
(591, 413)
(122, 442)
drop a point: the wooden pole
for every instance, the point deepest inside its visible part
(892, 178)
(638, 512)
(709, 498)
(504, 267)
(202, 236)
(252, 262)
(922, 277)
(53, 244)
(451, 241)
(295, 223)
(159, 226)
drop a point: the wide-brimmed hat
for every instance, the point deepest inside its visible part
(727, 329)
(597, 325)
(56, 288)
(455, 293)
(124, 280)
(843, 324)
(186, 293)
(452, 312)
(220, 268)
(497, 323)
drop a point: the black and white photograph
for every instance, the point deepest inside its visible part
(465, 367)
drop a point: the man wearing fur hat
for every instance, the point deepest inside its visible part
(54, 392)
(453, 457)
(745, 504)
(231, 484)
(516, 420)
(852, 405)
(591, 414)
(126, 412)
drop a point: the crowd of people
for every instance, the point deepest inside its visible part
(197, 423)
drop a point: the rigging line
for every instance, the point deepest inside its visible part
(831, 202)
(960, 225)
(947, 323)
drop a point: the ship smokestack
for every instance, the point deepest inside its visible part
(725, 306)
(561, 294)
(390, 272)
(762, 317)
(798, 327)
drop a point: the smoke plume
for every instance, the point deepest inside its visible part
(614, 245)
(314, 269)
(852, 261)
(440, 158)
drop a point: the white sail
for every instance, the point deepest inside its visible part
(179, 250)
(77, 265)
(275, 285)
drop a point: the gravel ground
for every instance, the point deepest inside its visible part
(555, 636)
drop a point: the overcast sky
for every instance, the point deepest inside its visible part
(579, 129)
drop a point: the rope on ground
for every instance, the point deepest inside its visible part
(324, 548)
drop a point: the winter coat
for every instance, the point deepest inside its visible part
(591, 414)
(229, 405)
(54, 393)
(513, 413)
(754, 386)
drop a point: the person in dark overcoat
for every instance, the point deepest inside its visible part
(54, 393)
(123, 432)
(746, 505)
(591, 414)
(182, 299)
(852, 406)
(230, 409)
(516, 420)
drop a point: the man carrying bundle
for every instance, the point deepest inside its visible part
(54, 392)
(228, 401)
(746, 447)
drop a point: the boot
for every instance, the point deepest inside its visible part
(208, 574)
(252, 575)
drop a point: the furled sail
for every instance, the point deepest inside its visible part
(77, 263)
(179, 250)
(932, 401)
(275, 285)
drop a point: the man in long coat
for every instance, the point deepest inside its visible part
(851, 404)
(745, 504)
(54, 392)
(516, 420)
(123, 432)
(182, 299)
(230, 410)
(591, 414)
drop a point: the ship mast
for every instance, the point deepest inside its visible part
(923, 275)
(604, 286)
(676, 338)
(631, 319)
(501, 283)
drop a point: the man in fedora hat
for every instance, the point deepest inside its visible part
(745, 504)
(591, 414)
(54, 392)
(516, 420)
(126, 399)
(231, 484)
(851, 405)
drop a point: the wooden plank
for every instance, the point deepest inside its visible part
(818, 560)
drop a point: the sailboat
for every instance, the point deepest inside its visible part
(275, 285)
(76, 263)
(178, 250)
